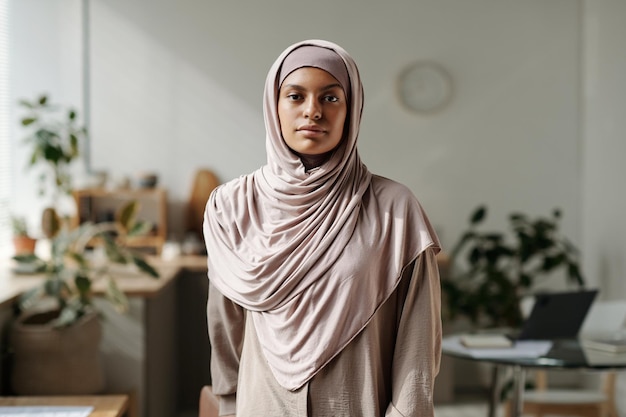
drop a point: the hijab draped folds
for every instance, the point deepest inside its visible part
(312, 255)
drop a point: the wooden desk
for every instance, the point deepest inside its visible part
(132, 283)
(141, 349)
(104, 405)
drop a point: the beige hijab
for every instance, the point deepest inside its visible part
(312, 255)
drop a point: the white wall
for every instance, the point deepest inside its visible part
(604, 202)
(604, 148)
(46, 57)
(180, 88)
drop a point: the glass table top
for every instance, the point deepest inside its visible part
(557, 354)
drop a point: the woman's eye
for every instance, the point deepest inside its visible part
(293, 96)
(331, 99)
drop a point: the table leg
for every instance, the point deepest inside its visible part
(517, 400)
(494, 397)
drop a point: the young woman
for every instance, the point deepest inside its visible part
(324, 296)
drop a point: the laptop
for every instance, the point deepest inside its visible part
(557, 315)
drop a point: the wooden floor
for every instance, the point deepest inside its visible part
(457, 410)
(464, 410)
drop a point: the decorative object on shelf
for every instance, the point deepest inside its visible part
(147, 179)
(424, 87)
(490, 273)
(204, 182)
(99, 205)
(69, 277)
(23, 243)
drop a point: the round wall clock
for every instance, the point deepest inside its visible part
(424, 87)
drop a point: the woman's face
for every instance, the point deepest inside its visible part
(312, 110)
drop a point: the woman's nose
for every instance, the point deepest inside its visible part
(312, 109)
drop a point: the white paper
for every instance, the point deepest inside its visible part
(45, 411)
(520, 349)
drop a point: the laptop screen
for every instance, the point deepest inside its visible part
(557, 315)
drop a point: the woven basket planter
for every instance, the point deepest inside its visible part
(56, 361)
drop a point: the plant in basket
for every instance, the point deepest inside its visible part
(56, 336)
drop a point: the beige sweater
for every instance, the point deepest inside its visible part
(387, 370)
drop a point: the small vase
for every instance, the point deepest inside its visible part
(56, 361)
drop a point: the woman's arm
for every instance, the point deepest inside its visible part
(226, 323)
(417, 352)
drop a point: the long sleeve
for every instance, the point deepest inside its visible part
(417, 353)
(226, 323)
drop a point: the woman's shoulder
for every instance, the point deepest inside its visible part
(227, 193)
(385, 187)
(395, 196)
(237, 183)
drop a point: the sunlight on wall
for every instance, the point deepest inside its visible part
(153, 110)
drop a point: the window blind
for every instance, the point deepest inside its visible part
(5, 144)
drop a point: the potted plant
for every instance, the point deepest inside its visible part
(492, 271)
(54, 135)
(55, 338)
(23, 243)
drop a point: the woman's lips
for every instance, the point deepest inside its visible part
(311, 130)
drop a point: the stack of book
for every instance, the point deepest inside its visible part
(478, 341)
(611, 344)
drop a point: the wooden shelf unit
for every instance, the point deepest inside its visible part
(99, 205)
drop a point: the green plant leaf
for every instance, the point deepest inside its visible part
(28, 121)
(525, 280)
(25, 103)
(114, 252)
(145, 267)
(71, 114)
(126, 215)
(79, 258)
(73, 146)
(517, 218)
(140, 228)
(53, 287)
(27, 258)
(552, 262)
(478, 215)
(574, 274)
(83, 283)
(475, 255)
(53, 153)
(43, 100)
(30, 297)
(116, 296)
(69, 314)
